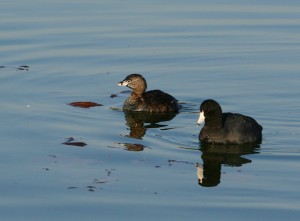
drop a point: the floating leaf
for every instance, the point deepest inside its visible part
(77, 144)
(85, 104)
(70, 141)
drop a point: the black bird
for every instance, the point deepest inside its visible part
(227, 128)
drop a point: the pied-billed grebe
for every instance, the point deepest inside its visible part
(148, 101)
(227, 128)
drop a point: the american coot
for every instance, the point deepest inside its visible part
(227, 128)
(148, 101)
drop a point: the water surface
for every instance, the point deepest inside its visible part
(244, 55)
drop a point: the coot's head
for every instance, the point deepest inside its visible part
(209, 110)
(136, 82)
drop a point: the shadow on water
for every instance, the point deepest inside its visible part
(213, 156)
(139, 122)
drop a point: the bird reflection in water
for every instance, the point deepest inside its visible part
(213, 156)
(130, 146)
(133, 146)
(139, 122)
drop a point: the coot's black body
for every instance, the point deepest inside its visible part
(227, 128)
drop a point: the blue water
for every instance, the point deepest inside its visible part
(243, 54)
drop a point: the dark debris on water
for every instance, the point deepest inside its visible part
(19, 68)
(71, 141)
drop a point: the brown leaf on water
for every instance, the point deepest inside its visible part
(71, 141)
(77, 144)
(85, 104)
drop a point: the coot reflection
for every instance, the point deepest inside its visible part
(209, 174)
